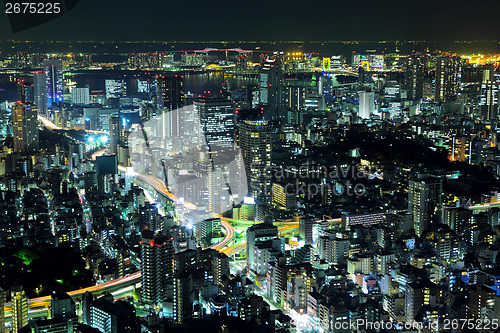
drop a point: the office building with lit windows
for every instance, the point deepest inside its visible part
(447, 78)
(271, 88)
(80, 96)
(54, 79)
(109, 317)
(217, 120)
(156, 266)
(170, 94)
(40, 91)
(19, 308)
(115, 134)
(424, 202)
(417, 295)
(488, 102)
(255, 144)
(366, 104)
(115, 88)
(25, 127)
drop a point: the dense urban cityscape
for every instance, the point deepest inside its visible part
(252, 187)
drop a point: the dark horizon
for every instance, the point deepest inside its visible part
(226, 20)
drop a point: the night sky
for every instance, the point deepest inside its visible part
(232, 20)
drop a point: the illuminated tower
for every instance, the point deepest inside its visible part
(25, 127)
(217, 119)
(170, 94)
(40, 91)
(19, 308)
(80, 96)
(54, 76)
(156, 266)
(366, 104)
(255, 143)
(170, 98)
(115, 88)
(447, 78)
(25, 91)
(271, 89)
(115, 130)
(489, 95)
(414, 76)
(424, 202)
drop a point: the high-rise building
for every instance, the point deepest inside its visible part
(25, 92)
(457, 218)
(54, 77)
(447, 78)
(414, 76)
(460, 149)
(19, 303)
(417, 295)
(115, 134)
(40, 91)
(183, 286)
(170, 94)
(261, 231)
(334, 248)
(490, 87)
(62, 306)
(115, 88)
(271, 88)
(25, 127)
(366, 104)
(217, 120)
(255, 144)
(87, 300)
(156, 266)
(424, 202)
(109, 317)
(481, 297)
(80, 96)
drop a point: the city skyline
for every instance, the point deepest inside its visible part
(330, 174)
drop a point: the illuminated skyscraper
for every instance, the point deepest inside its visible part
(115, 88)
(490, 87)
(170, 94)
(261, 231)
(447, 78)
(255, 143)
(417, 295)
(156, 266)
(80, 96)
(19, 308)
(271, 89)
(25, 127)
(40, 91)
(115, 134)
(54, 76)
(170, 97)
(25, 91)
(414, 76)
(217, 119)
(366, 104)
(424, 202)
